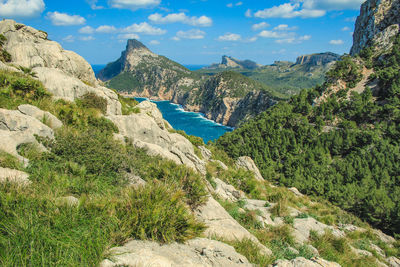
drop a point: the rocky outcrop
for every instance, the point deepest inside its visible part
(220, 224)
(226, 191)
(45, 116)
(17, 128)
(198, 252)
(319, 59)
(230, 62)
(64, 73)
(14, 177)
(146, 130)
(302, 262)
(378, 22)
(302, 228)
(248, 164)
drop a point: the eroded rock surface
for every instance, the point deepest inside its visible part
(248, 164)
(13, 176)
(197, 252)
(302, 262)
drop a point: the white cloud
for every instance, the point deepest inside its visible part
(260, 26)
(154, 42)
(232, 4)
(294, 40)
(21, 8)
(69, 39)
(144, 28)
(231, 37)
(289, 10)
(272, 34)
(333, 4)
(106, 29)
(133, 4)
(285, 27)
(251, 40)
(345, 29)
(191, 34)
(93, 4)
(63, 19)
(128, 36)
(336, 42)
(248, 13)
(86, 30)
(202, 21)
(87, 38)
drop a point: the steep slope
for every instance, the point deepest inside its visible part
(285, 78)
(230, 62)
(339, 140)
(223, 97)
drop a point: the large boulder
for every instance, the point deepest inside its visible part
(17, 128)
(64, 73)
(197, 252)
(302, 262)
(248, 164)
(302, 228)
(52, 121)
(145, 132)
(14, 177)
(220, 224)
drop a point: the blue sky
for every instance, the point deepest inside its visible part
(193, 31)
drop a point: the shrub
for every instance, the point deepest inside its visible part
(156, 212)
(91, 100)
(128, 105)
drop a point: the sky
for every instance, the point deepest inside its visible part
(193, 32)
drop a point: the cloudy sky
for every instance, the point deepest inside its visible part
(193, 31)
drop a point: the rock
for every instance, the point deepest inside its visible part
(302, 228)
(17, 128)
(350, 228)
(295, 191)
(135, 181)
(221, 224)
(67, 201)
(377, 249)
(313, 250)
(151, 109)
(227, 192)
(13, 176)
(293, 250)
(197, 252)
(361, 252)
(384, 237)
(205, 153)
(265, 216)
(146, 133)
(220, 163)
(317, 59)
(30, 48)
(393, 262)
(248, 164)
(378, 22)
(302, 262)
(64, 73)
(53, 121)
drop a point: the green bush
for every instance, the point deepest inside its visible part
(91, 100)
(156, 212)
(128, 105)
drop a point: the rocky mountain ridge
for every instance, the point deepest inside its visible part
(228, 62)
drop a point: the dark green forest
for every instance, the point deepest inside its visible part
(345, 149)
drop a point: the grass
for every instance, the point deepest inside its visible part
(9, 161)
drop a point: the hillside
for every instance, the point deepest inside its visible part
(140, 72)
(283, 78)
(89, 178)
(340, 140)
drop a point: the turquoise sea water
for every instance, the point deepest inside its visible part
(191, 122)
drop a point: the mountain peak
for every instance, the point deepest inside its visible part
(133, 44)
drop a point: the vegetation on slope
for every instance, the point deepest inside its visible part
(37, 225)
(344, 149)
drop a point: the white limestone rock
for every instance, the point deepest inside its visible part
(14, 176)
(248, 164)
(39, 114)
(302, 262)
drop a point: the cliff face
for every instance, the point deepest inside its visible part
(230, 62)
(377, 24)
(317, 59)
(141, 73)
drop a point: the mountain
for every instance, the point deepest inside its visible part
(224, 98)
(340, 140)
(284, 78)
(230, 62)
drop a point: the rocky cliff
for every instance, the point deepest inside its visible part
(142, 73)
(377, 24)
(228, 62)
(319, 59)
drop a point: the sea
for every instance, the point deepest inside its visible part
(192, 123)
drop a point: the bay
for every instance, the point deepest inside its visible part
(192, 123)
